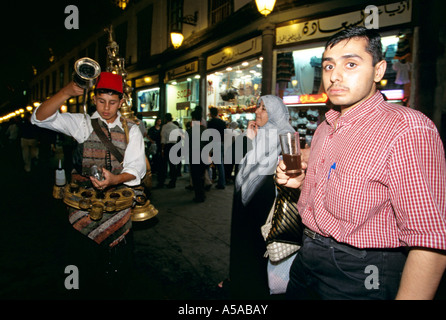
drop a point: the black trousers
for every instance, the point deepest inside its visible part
(197, 175)
(326, 269)
(165, 163)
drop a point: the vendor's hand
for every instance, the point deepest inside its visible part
(108, 179)
(252, 129)
(72, 89)
(291, 182)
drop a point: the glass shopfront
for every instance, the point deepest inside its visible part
(299, 83)
(182, 97)
(182, 92)
(148, 99)
(235, 91)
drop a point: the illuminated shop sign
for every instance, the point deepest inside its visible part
(397, 94)
(306, 99)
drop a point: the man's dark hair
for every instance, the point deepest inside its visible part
(213, 111)
(168, 117)
(196, 114)
(372, 36)
(108, 91)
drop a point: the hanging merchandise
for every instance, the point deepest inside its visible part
(402, 66)
(402, 69)
(403, 50)
(285, 70)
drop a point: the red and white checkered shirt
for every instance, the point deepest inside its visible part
(378, 180)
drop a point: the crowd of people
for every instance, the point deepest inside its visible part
(221, 170)
(30, 145)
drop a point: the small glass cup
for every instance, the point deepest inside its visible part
(96, 172)
(290, 144)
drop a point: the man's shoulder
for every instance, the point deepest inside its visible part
(216, 122)
(405, 116)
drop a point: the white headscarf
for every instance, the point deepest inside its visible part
(261, 161)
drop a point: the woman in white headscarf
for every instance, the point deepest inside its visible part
(253, 197)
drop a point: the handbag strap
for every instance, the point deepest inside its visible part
(105, 140)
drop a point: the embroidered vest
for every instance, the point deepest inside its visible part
(95, 152)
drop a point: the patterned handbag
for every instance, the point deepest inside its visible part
(283, 229)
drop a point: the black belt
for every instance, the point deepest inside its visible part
(359, 253)
(311, 234)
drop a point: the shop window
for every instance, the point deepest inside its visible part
(396, 55)
(219, 10)
(299, 72)
(235, 91)
(175, 15)
(148, 100)
(182, 97)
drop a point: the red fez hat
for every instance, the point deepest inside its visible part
(108, 80)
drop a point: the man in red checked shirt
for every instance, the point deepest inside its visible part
(373, 198)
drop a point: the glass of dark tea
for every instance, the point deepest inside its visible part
(291, 153)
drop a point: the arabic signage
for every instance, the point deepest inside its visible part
(183, 105)
(389, 15)
(147, 80)
(182, 71)
(306, 99)
(235, 53)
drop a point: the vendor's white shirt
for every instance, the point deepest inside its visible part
(78, 126)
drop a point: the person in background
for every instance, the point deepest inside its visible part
(196, 163)
(166, 145)
(218, 124)
(373, 199)
(29, 142)
(154, 136)
(254, 195)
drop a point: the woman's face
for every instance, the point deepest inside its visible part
(261, 115)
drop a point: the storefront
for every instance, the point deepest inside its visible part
(182, 92)
(298, 56)
(234, 81)
(148, 98)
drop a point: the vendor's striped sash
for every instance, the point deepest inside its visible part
(108, 231)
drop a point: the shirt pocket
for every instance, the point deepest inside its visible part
(345, 198)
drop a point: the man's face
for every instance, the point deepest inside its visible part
(107, 106)
(348, 73)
